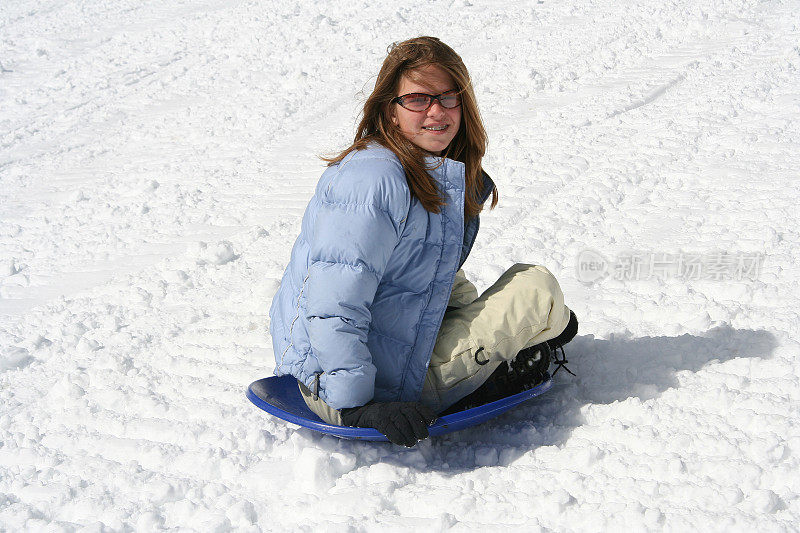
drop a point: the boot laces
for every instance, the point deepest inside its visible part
(562, 363)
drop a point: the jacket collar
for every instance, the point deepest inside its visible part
(488, 187)
(437, 162)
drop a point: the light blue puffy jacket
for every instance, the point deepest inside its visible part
(369, 279)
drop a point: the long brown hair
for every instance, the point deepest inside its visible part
(468, 146)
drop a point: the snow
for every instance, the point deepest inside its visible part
(155, 162)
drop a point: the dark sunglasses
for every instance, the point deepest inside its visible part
(422, 102)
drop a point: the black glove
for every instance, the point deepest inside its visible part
(404, 423)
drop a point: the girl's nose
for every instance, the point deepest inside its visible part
(435, 109)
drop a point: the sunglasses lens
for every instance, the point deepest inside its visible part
(415, 102)
(449, 101)
(421, 102)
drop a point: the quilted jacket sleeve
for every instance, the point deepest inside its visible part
(357, 227)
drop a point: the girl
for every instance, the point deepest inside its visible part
(374, 316)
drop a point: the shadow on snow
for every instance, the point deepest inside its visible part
(607, 371)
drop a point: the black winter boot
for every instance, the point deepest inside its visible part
(567, 335)
(557, 344)
(527, 369)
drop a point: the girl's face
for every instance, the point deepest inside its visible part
(433, 129)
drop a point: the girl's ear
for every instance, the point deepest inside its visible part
(393, 116)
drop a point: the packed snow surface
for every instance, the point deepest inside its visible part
(155, 161)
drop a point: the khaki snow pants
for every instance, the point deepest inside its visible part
(524, 307)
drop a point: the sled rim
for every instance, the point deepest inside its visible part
(310, 423)
(444, 424)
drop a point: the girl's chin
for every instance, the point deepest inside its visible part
(433, 150)
(434, 146)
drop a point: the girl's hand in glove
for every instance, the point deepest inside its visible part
(404, 423)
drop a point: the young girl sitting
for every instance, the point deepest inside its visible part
(374, 316)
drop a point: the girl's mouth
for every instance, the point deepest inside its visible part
(436, 128)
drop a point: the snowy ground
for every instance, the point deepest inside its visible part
(155, 160)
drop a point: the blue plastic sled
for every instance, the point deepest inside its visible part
(280, 397)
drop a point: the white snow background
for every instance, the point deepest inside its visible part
(155, 161)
